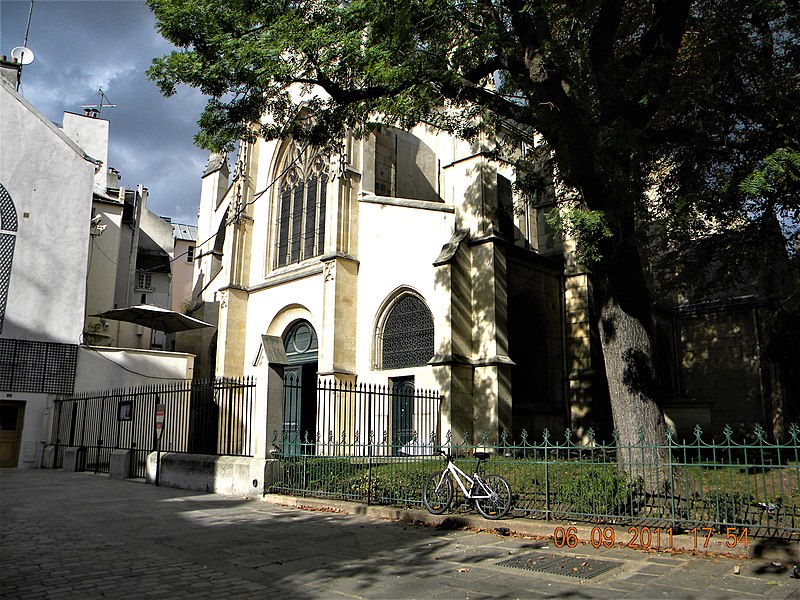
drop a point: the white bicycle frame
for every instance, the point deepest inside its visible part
(458, 474)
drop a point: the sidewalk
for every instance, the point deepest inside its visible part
(76, 535)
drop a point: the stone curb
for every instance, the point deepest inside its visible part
(623, 536)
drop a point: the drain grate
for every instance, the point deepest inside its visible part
(583, 568)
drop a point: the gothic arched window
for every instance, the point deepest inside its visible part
(300, 214)
(406, 337)
(8, 237)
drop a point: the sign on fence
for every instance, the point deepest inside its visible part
(161, 411)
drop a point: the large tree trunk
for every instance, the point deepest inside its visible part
(624, 323)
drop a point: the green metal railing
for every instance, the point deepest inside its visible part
(731, 481)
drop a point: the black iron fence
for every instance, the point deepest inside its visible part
(331, 417)
(201, 417)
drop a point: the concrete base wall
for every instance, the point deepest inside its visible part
(120, 465)
(49, 457)
(74, 459)
(229, 475)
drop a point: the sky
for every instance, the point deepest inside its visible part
(81, 46)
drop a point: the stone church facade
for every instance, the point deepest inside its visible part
(405, 260)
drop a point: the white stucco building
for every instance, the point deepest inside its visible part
(184, 242)
(46, 183)
(73, 243)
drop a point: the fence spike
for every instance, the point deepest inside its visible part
(504, 437)
(727, 431)
(698, 432)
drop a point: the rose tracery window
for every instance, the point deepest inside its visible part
(300, 226)
(407, 336)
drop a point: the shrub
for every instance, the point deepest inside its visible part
(729, 507)
(597, 490)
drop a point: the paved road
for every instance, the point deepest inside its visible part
(75, 535)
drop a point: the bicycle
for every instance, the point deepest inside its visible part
(491, 493)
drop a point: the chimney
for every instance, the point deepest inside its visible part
(9, 70)
(112, 178)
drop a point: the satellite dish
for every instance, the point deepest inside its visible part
(23, 55)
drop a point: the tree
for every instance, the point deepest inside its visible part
(658, 115)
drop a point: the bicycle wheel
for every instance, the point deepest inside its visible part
(499, 504)
(438, 492)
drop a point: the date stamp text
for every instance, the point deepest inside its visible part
(653, 537)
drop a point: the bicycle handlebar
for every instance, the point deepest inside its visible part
(449, 456)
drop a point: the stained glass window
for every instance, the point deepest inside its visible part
(300, 211)
(407, 339)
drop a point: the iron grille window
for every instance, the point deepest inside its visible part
(407, 334)
(300, 223)
(43, 367)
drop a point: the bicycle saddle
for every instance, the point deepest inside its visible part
(481, 455)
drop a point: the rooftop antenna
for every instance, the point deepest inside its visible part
(92, 110)
(23, 54)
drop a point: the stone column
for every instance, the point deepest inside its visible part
(492, 375)
(451, 306)
(231, 331)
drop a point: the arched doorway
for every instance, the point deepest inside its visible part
(300, 388)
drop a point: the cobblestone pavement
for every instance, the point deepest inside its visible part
(75, 535)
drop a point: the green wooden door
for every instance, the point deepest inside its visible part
(300, 390)
(402, 413)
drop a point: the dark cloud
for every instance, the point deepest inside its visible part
(82, 46)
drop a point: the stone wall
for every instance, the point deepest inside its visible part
(719, 366)
(229, 475)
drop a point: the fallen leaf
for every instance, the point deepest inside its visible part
(463, 570)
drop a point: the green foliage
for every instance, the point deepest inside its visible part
(597, 490)
(589, 227)
(730, 507)
(93, 334)
(318, 474)
(387, 484)
(700, 93)
(383, 483)
(780, 171)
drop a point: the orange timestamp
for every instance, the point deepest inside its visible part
(652, 537)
